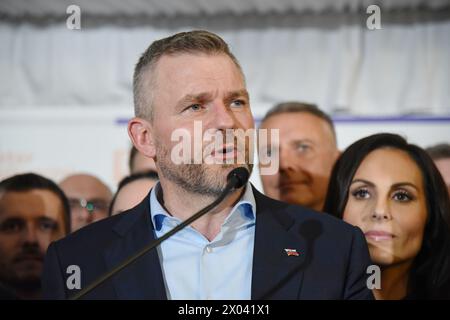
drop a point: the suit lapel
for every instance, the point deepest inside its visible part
(143, 279)
(276, 275)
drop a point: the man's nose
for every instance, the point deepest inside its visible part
(287, 161)
(223, 117)
(85, 215)
(30, 235)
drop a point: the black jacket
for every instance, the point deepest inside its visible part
(331, 263)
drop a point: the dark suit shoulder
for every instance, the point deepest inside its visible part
(291, 213)
(332, 254)
(301, 214)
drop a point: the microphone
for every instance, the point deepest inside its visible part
(237, 178)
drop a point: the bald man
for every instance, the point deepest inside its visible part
(89, 199)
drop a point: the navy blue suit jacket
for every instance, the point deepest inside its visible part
(331, 263)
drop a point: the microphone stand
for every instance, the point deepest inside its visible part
(230, 186)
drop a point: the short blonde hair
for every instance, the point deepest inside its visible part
(197, 41)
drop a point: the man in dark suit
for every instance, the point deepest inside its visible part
(249, 246)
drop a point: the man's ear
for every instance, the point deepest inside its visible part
(140, 133)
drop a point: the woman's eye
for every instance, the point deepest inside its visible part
(402, 196)
(361, 194)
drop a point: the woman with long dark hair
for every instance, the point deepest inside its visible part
(392, 190)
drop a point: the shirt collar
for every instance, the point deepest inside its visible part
(243, 212)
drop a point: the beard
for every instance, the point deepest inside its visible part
(204, 179)
(20, 275)
(29, 283)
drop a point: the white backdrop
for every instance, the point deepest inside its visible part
(400, 69)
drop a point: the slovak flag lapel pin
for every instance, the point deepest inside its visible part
(292, 252)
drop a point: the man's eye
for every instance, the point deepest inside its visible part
(303, 147)
(238, 103)
(98, 205)
(361, 194)
(402, 196)
(11, 226)
(74, 203)
(48, 225)
(195, 107)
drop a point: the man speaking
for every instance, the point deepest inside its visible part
(248, 246)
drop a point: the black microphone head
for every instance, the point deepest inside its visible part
(238, 176)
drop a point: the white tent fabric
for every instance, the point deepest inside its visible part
(57, 8)
(399, 69)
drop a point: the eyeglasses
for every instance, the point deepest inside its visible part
(91, 206)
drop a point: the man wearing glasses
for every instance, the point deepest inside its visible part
(89, 199)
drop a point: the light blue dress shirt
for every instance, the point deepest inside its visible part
(195, 268)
